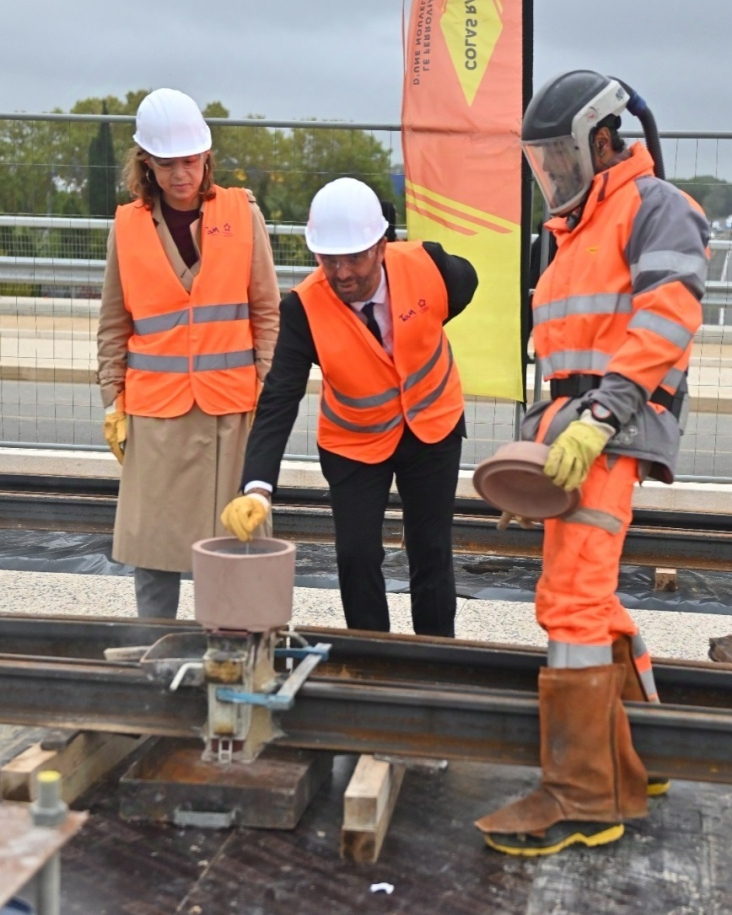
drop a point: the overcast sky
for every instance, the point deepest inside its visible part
(342, 59)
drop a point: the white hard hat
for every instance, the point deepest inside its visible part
(169, 123)
(345, 217)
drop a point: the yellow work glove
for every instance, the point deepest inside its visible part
(506, 518)
(575, 450)
(245, 513)
(115, 428)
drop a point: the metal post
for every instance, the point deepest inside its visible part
(49, 810)
(48, 887)
(543, 264)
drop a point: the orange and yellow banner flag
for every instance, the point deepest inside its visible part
(461, 123)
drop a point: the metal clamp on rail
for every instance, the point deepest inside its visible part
(284, 698)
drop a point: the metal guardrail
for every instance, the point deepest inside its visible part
(76, 273)
(81, 272)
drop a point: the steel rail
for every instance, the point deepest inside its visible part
(654, 539)
(359, 703)
(420, 719)
(356, 656)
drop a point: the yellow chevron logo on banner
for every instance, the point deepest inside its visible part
(471, 31)
(485, 337)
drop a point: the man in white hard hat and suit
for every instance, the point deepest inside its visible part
(391, 405)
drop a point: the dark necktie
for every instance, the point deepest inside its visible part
(371, 323)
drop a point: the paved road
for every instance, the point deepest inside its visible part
(64, 414)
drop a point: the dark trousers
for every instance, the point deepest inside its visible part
(157, 593)
(426, 479)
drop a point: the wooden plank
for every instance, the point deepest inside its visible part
(94, 767)
(87, 758)
(664, 580)
(367, 793)
(368, 805)
(16, 775)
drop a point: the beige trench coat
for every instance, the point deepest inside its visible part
(179, 473)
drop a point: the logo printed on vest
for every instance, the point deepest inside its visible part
(406, 315)
(212, 230)
(227, 230)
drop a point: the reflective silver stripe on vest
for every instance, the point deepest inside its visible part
(670, 330)
(673, 378)
(417, 376)
(354, 427)
(217, 361)
(565, 654)
(431, 398)
(593, 517)
(147, 363)
(605, 303)
(158, 323)
(648, 681)
(671, 262)
(205, 314)
(575, 360)
(638, 645)
(362, 403)
(202, 314)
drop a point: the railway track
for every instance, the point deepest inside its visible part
(405, 695)
(680, 540)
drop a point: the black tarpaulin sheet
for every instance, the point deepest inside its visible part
(478, 577)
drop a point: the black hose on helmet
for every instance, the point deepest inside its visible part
(637, 106)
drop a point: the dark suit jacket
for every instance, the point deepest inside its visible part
(295, 353)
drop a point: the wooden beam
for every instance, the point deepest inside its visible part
(368, 805)
(664, 580)
(86, 759)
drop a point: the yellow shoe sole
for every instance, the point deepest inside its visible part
(657, 787)
(604, 837)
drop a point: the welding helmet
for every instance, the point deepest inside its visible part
(556, 133)
(345, 218)
(169, 124)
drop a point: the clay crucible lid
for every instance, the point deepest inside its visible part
(514, 481)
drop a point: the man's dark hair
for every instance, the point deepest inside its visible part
(390, 215)
(612, 122)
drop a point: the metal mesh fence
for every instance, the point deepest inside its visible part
(60, 183)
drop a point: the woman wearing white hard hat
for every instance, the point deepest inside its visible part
(188, 323)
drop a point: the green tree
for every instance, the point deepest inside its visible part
(714, 195)
(102, 181)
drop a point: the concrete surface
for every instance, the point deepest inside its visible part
(712, 498)
(674, 635)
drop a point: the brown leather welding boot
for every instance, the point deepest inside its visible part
(592, 778)
(639, 687)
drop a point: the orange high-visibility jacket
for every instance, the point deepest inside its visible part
(189, 347)
(618, 296)
(622, 298)
(366, 395)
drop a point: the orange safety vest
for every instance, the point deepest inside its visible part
(189, 347)
(587, 319)
(366, 395)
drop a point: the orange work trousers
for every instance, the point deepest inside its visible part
(576, 601)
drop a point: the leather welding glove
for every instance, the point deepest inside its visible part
(115, 427)
(506, 518)
(575, 450)
(245, 513)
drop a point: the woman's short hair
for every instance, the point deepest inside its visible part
(140, 181)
